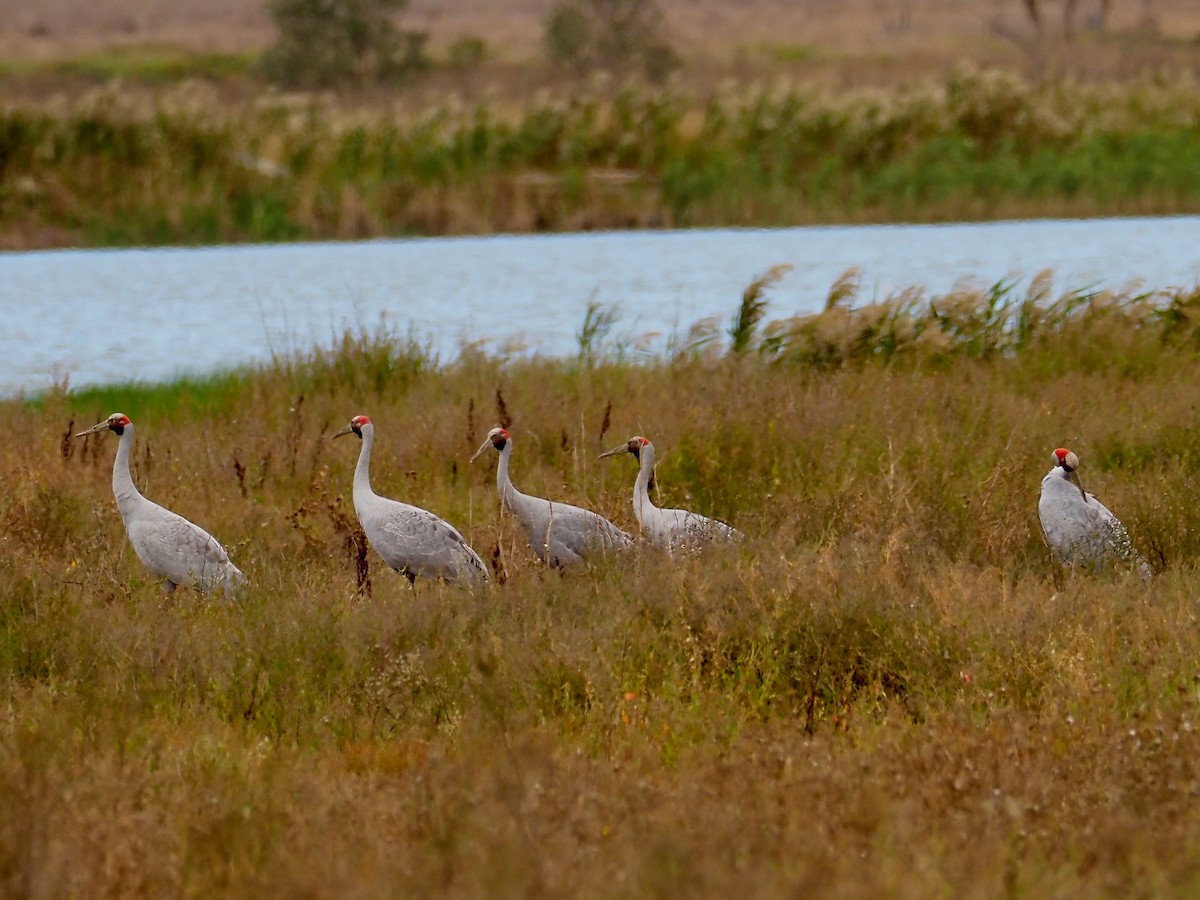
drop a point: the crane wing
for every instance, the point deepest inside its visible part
(1116, 536)
(563, 534)
(414, 540)
(172, 547)
(688, 529)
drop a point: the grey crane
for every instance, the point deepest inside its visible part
(671, 529)
(1079, 529)
(559, 533)
(171, 547)
(413, 541)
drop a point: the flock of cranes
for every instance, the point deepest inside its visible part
(1079, 530)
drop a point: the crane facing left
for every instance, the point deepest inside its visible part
(411, 540)
(172, 548)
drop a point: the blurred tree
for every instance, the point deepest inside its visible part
(325, 42)
(1095, 14)
(609, 34)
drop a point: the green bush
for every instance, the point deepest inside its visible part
(326, 42)
(594, 34)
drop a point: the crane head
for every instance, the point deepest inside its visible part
(1065, 458)
(116, 423)
(634, 445)
(497, 438)
(355, 426)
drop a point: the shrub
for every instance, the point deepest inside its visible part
(326, 42)
(591, 34)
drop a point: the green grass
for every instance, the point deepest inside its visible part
(190, 170)
(149, 65)
(157, 65)
(879, 693)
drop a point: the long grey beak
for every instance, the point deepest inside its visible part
(615, 451)
(349, 429)
(482, 448)
(99, 426)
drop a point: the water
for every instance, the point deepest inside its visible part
(150, 314)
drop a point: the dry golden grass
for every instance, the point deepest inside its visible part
(880, 693)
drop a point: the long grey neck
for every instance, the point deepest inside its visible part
(641, 487)
(362, 471)
(126, 492)
(509, 495)
(1072, 477)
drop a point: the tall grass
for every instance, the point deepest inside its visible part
(190, 169)
(880, 692)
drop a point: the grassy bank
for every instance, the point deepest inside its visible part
(188, 169)
(880, 692)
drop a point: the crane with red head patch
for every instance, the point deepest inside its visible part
(413, 541)
(172, 548)
(1081, 531)
(559, 533)
(674, 530)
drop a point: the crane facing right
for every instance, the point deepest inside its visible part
(1080, 531)
(674, 530)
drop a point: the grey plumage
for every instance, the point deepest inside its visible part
(559, 533)
(1080, 530)
(171, 547)
(411, 540)
(674, 530)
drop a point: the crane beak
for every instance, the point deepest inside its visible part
(1074, 476)
(481, 449)
(99, 426)
(615, 451)
(349, 429)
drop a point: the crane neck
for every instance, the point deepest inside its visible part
(1067, 477)
(362, 471)
(126, 492)
(641, 488)
(509, 495)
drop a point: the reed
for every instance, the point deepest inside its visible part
(879, 692)
(190, 168)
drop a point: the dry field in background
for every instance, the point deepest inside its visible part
(855, 40)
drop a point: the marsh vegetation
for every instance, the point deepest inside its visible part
(879, 691)
(188, 169)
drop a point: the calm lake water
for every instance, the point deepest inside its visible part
(110, 315)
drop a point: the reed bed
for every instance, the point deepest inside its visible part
(187, 167)
(880, 691)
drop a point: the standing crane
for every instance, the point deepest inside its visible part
(671, 529)
(411, 540)
(559, 533)
(170, 546)
(1078, 528)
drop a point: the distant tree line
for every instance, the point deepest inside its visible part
(323, 43)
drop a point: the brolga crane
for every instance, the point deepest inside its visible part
(1078, 528)
(171, 547)
(672, 529)
(560, 534)
(411, 540)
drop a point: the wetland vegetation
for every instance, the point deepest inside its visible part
(879, 691)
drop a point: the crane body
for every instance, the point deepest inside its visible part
(168, 545)
(1080, 530)
(559, 533)
(413, 541)
(674, 530)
